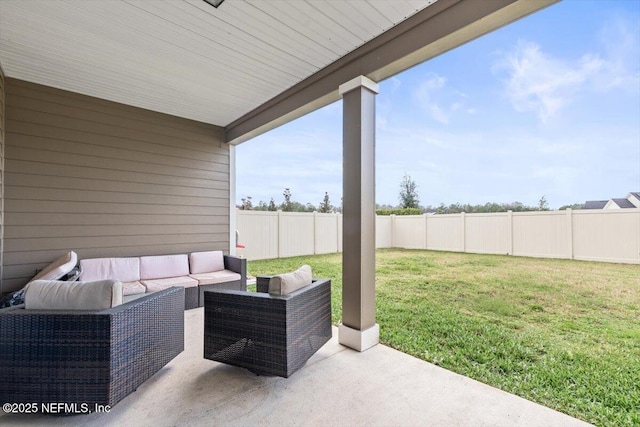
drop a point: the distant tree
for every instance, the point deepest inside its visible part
(455, 208)
(542, 204)
(325, 205)
(408, 193)
(287, 204)
(574, 206)
(407, 211)
(299, 207)
(272, 206)
(246, 204)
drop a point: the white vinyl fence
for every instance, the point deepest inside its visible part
(594, 235)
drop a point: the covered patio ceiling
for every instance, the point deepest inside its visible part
(247, 66)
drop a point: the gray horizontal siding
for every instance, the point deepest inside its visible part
(36, 206)
(105, 179)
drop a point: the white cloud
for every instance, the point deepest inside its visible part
(426, 95)
(622, 49)
(439, 101)
(541, 83)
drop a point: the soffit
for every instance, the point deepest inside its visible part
(183, 57)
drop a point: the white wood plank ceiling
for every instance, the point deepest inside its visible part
(183, 57)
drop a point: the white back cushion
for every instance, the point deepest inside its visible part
(284, 284)
(123, 269)
(163, 266)
(59, 295)
(59, 267)
(206, 262)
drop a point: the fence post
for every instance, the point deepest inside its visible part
(464, 232)
(570, 231)
(510, 234)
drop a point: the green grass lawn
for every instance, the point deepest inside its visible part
(565, 334)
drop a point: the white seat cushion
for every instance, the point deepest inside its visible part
(206, 262)
(283, 284)
(216, 277)
(59, 295)
(133, 288)
(156, 285)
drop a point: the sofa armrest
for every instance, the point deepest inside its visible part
(262, 284)
(237, 265)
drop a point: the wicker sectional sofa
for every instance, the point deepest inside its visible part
(88, 358)
(197, 272)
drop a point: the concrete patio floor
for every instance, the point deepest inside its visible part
(337, 387)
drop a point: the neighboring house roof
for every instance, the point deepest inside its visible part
(594, 204)
(634, 198)
(623, 203)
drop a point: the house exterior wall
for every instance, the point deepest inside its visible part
(106, 179)
(611, 205)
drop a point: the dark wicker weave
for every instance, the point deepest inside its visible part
(262, 284)
(267, 334)
(191, 297)
(235, 264)
(92, 357)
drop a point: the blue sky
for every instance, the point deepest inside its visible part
(547, 106)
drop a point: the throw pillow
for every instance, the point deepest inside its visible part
(58, 295)
(284, 284)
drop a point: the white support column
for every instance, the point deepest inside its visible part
(359, 329)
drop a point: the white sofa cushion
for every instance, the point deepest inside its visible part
(216, 277)
(163, 266)
(284, 284)
(59, 295)
(123, 269)
(206, 262)
(156, 285)
(59, 267)
(133, 288)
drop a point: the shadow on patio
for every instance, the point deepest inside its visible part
(338, 386)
